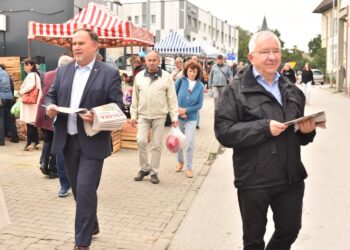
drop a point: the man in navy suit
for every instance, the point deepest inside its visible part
(85, 83)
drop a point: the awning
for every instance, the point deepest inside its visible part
(207, 49)
(175, 44)
(112, 30)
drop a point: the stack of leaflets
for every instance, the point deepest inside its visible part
(107, 117)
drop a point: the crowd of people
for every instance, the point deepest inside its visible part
(248, 118)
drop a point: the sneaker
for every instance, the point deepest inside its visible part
(154, 179)
(140, 175)
(28, 147)
(63, 192)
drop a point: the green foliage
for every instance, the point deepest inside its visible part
(294, 55)
(319, 60)
(244, 37)
(314, 45)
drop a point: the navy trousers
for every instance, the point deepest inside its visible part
(286, 202)
(84, 175)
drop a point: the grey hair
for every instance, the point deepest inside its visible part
(151, 51)
(262, 35)
(64, 60)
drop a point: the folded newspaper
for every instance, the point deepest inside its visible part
(107, 117)
(318, 117)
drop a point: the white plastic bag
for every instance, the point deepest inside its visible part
(175, 140)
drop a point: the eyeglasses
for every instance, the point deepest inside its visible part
(267, 52)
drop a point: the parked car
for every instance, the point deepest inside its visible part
(318, 76)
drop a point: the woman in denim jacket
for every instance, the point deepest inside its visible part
(190, 93)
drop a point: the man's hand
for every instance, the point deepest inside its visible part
(276, 128)
(87, 116)
(307, 126)
(175, 124)
(51, 110)
(133, 122)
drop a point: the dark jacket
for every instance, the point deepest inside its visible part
(103, 87)
(307, 76)
(290, 74)
(41, 120)
(242, 123)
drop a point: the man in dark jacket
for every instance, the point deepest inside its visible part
(267, 164)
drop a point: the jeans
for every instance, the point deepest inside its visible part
(218, 91)
(61, 165)
(189, 129)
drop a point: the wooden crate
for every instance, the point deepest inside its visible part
(128, 136)
(116, 141)
(13, 68)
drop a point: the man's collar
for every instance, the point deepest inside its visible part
(158, 73)
(257, 75)
(89, 66)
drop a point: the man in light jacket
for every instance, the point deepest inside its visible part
(153, 97)
(219, 77)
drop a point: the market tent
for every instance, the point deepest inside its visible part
(112, 31)
(207, 49)
(175, 44)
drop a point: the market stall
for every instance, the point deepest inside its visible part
(208, 50)
(112, 30)
(174, 44)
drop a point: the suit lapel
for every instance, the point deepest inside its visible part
(93, 74)
(70, 78)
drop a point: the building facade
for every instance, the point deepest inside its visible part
(185, 18)
(13, 37)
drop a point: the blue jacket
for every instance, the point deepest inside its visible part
(5, 86)
(192, 101)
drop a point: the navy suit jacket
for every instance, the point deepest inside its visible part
(102, 87)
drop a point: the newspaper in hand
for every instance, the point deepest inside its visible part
(318, 117)
(107, 117)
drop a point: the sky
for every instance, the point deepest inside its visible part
(294, 19)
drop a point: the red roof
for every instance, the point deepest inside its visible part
(111, 30)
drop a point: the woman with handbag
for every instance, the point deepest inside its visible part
(190, 94)
(30, 92)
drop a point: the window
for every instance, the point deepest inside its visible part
(136, 19)
(188, 38)
(129, 18)
(199, 25)
(204, 27)
(153, 19)
(189, 20)
(195, 23)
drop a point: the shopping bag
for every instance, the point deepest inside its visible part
(31, 97)
(175, 140)
(4, 217)
(16, 108)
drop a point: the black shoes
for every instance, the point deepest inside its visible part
(44, 169)
(140, 175)
(154, 178)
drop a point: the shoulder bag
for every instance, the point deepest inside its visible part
(31, 96)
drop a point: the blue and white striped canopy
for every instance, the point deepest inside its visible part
(208, 50)
(174, 43)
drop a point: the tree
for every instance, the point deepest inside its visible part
(314, 45)
(244, 37)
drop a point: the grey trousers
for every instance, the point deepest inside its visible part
(217, 94)
(144, 126)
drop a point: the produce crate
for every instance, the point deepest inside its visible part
(128, 136)
(13, 68)
(116, 141)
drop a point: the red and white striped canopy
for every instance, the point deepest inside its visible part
(111, 30)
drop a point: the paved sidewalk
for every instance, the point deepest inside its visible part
(132, 215)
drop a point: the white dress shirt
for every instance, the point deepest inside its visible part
(80, 79)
